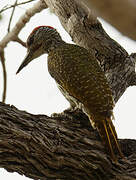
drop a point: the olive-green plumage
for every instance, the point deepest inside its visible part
(84, 84)
(80, 79)
(78, 73)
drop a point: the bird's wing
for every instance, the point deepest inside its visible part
(79, 73)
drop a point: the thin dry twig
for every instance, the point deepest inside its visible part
(17, 39)
(2, 59)
(13, 36)
(11, 6)
(12, 13)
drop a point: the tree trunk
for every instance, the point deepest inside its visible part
(66, 146)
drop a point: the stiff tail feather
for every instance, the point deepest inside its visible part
(108, 135)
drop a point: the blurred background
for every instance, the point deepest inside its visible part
(34, 91)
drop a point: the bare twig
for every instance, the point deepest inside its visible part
(2, 59)
(13, 34)
(12, 13)
(11, 6)
(17, 39)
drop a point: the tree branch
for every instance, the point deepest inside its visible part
(64, 147)
(119, 13)
(11, 6)
(2, 59)
(12, 13)
(13, 34)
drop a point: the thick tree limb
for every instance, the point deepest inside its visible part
(64, 147)
(119, 13)
(87, 31)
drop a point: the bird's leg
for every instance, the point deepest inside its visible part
(72, 108)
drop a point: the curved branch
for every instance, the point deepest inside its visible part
(63, 147)
(13, 34)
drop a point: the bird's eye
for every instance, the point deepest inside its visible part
(30, 41)
(37, 46)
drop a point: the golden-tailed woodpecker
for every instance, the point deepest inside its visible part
(80, 79)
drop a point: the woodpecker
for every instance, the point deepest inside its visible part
(80, 79)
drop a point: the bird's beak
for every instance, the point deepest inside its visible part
(26, 61)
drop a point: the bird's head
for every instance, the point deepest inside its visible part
(41, 40)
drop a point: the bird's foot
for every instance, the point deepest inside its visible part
(66, 111)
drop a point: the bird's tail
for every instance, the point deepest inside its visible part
(108, 135)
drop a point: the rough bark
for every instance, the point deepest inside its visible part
(63, 147)
(66, 147)
(119, 13)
